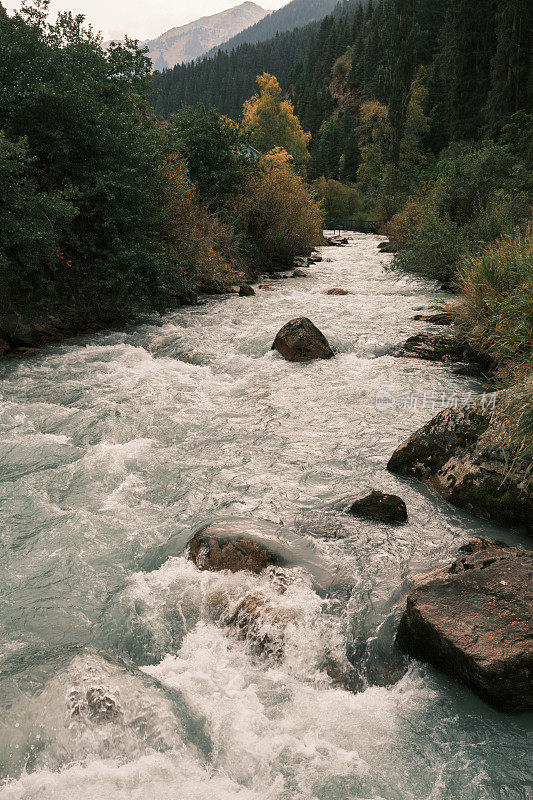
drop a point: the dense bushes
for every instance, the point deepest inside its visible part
(337, 199)
(281, 216)
(90, 142)
(104, 208)
(474, 195)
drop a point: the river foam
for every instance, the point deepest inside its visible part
(125, 672)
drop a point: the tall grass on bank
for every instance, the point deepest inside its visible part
(497, 288)
(497, 317)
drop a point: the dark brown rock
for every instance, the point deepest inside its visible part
(338, 292)
(464, 455)
(474, 621)
(212, 553)
(434, 347)
(17, 330)
(478, 544)
(300, 273)
(245, 290)
(336, 241)
(300, 340)
(442, 318)
(380, 507)
(387, 247)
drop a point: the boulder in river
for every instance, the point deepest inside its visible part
(474, 621)
(245, 290)
(380, 507)
(211, 552)
(300, 273)
(338, 292)
(433, 347)
(387, 247)
(300, 340)
(464, 455)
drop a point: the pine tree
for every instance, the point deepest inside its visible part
(511, 76)
(401, 37)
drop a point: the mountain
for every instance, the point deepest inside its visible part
(294, 15)
(187, 42)
(224, 80)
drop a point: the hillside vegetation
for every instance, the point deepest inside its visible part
(420, 118)
(104, 209)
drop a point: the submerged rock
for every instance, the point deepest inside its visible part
(336, 241)
(380, 507)
(338, 292)
(433, 347)
(300, 273)
(97, 703)
(474, 621)
(441, 318)
(245, 290)
(210, 552)
(300, 340)
(464, 455)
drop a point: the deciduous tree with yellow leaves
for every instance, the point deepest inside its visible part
(270, 122)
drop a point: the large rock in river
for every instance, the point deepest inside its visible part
(300, 340)
(214, 553)
(379, 507)
(464, 455)
(474, 621)
(433, 347)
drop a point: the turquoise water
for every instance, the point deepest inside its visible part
(114, 448)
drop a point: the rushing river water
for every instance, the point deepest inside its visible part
(115, 447)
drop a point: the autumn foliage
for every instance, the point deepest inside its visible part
(270, 122)
(281, 215)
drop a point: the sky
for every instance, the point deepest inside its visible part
(143, 19)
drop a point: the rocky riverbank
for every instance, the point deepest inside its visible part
(464, 455)
(473, 620)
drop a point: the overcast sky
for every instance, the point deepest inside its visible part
(143, 19)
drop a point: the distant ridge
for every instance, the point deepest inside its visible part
(187, 42)
(294, 15)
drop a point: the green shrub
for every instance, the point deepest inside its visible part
(497, 287)
(338, 199)
(435, 248)
(32, 225)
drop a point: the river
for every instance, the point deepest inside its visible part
(115, 447)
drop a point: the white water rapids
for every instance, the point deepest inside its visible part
(114, 448)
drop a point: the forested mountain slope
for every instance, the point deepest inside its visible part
(294, 15)
(225, 80)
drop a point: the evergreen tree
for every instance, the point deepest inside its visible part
(401, 38)
(511, 74)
